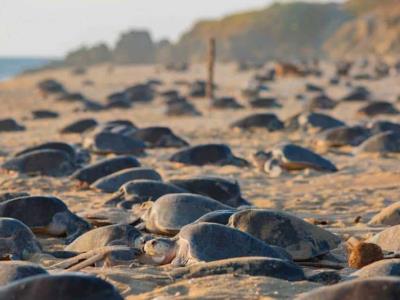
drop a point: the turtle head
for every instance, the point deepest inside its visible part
(260, 158)
(161, 250)
(142, 210)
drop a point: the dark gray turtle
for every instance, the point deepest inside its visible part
(50, 86)
(292, 157)
(387, 288)
(265, 102)
(221, 189)
(217, 154)
(383, 126)
(120, 234)
(159, 137)
(182, 108)
(43, 214)
(8, 125)
(142, 92)
(318, 121)
(17, 242)
(253, 266)
(357, 94)
(16, 270)
(169, 213)
(226, 102)
(198, 89)
(386, 267)
(387, 216)
(321, 102)
(387, 239)
(71, 97)
(11, 195)
(260, 120)
(206, 242)
(42, 162)
(378, 108)
(343, 136)
(120, 122)
(310, 87)
(301, 239)
(75, 154)
(44, 114)
(112, 182)
(141, 190)
(386, 142)
(217, 216)
(107, 142)
(80, 126)
(102, 168)
(63, 287)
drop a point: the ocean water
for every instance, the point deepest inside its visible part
(9, 67)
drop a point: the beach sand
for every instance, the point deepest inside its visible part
(362, 187)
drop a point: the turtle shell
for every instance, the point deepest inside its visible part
(301, 239)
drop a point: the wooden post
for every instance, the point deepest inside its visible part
(210, 68)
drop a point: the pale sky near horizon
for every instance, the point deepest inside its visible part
(51, 27)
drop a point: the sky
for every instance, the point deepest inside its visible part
(49, 28)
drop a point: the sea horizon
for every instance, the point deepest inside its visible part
(11, 66)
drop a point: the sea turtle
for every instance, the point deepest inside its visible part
(50, 86)
(44, 114)
(321, 101)
(292, 157)
(79, 126)
(217, 216)
(45, 214)
(155, 137)
(8, 125)
(17, 242)
(111, 183)
(387, 239)
(11, 195)
(199, 155)
(206, 242)
(386, 142)
(382, 126)
(197, 89)
(310, 87)
(141, 190)
(71, 97)
(342, 136)
(384, 287)
(76, 155)
(264, 102)
(378, 108)
(359, 93)
(221, 189)
(71, 286)
(142, 92)
(318, 121)
(226, 102)
(386, 267)
(260, 120)
(253, 266)
(16, 270)
(107, 142)
(102, 168)
(181, 108)
(387, 216)
(301, 239)
(169, 213)
(42, 162)
(119, 234)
